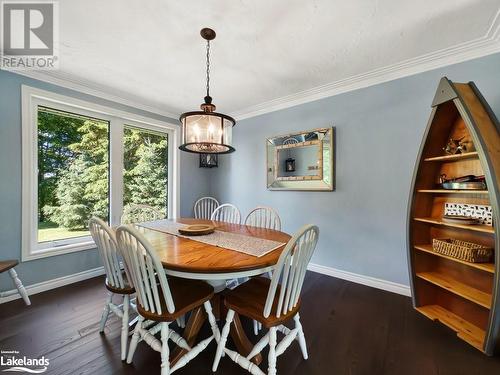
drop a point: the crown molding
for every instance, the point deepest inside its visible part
(62, 80)
(483, 46)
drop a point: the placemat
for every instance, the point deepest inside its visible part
(254, 246)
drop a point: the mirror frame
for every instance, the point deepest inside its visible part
(323, 181)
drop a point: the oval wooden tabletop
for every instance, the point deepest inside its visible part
(189, 255)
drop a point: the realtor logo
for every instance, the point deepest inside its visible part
(11, 361)
(29, 35)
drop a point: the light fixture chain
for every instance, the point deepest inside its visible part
(208, 67)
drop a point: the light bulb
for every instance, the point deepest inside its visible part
(211, 132)
(196, 130)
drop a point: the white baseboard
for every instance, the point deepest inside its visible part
(11, 295)
(389, 286)
(361, 279)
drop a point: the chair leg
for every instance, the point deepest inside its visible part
(165, 353)
(105, 313)
(133, 322)
(302, 339)
(181, 321)
(135, 340)
(211, 320)
(255, 327)
(223, 339)
(19, 286)
(271, 359)
(124, 338)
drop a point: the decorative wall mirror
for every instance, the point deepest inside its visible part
(302, 161)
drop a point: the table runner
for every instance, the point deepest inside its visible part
(233, 241)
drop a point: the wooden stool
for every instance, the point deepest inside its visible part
(8, 265)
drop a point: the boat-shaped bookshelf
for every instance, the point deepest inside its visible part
(461, 295)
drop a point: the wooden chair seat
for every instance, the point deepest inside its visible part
(6, 265)
(187, 295)
(128, 289)
(249, 299)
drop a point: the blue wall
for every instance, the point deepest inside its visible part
(193, 184)
(379, 130)
(362, 223)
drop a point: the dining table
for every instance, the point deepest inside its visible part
(190, 258)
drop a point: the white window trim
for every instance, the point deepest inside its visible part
(31, 99)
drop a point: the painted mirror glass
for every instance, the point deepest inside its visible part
(301, 161)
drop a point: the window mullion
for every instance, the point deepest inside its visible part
(116, 170)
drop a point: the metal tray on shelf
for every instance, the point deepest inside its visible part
(474, 185)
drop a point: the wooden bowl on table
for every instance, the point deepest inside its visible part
(197, 230)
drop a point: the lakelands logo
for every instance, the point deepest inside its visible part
(16, 363)
(29, 35)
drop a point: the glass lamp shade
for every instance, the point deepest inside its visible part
(207, 132)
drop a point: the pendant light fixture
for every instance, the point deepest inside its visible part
(206, 131)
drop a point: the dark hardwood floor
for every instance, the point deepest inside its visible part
(350, 329)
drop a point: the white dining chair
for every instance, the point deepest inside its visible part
(137, 213)
(227, 213)
(8, 265)
(204, 207)
(140, 213)
(162, 300)
(117, 281)
(264, 217)
(272, 304)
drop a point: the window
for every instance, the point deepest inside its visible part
(73, 175)
(145, 168)
(81, 159)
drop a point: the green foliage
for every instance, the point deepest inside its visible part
(74, 167)
(55, 134)
(147, 179)
(82, 189)
(72, 208)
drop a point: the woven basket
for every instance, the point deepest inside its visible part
(462, 250)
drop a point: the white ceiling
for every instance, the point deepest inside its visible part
(150, 52)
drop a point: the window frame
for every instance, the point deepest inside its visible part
(31, 99)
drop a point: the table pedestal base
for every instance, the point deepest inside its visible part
(196, 321)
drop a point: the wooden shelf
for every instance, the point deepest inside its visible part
(438, 221)
(445, 158)
(444, 191)
(487, 267)
(456, 292)
(465, 330)
(456, 287)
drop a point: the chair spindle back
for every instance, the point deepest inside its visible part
(264, 217)
(105, 241)
(204, 207)
(145, 270)
(227, 213)
(291, 268)
(137, 213)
